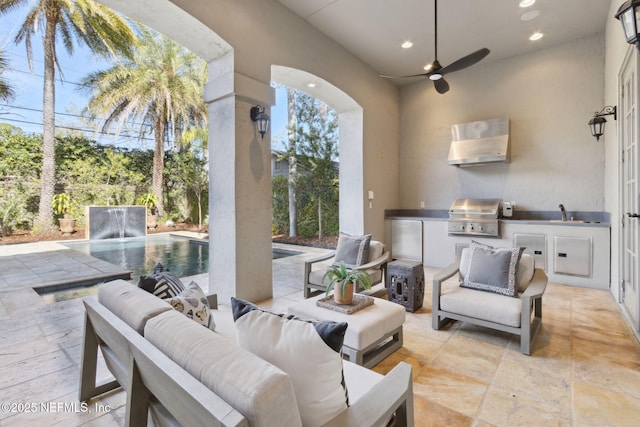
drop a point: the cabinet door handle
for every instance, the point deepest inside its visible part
(632, 215)
(537, 252)
(562, 254)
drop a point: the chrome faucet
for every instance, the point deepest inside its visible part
(564, 213)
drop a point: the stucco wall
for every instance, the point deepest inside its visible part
(549, 96)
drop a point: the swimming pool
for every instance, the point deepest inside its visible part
(183, 256)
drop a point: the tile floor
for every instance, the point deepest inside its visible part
(584, 370)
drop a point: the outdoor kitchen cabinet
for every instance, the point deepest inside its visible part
(534, 244)
(575, 254)
(406, 239)
(572, 255)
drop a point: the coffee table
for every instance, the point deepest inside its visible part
(373, 333)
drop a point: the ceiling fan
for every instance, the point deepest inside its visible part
(436, 72)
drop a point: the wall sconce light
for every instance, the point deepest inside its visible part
(629, 16)
(261, 118)
(597, 122)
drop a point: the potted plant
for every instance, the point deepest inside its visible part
(342, 280)
(149, 200)
(62, 205)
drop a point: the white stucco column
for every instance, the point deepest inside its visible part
(240, 260)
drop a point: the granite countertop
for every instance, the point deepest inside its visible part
(581, 219)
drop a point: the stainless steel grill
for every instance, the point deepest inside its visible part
(474, 217)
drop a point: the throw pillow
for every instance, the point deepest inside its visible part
(309, 352)
(161, 282)
(492, 269)
(352, 250)
(193, 303)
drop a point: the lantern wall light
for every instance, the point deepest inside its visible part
(629, 16)
(261, 119)
(598, 121)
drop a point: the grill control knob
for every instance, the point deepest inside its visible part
(480, 228)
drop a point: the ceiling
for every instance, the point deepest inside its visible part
(373, 30)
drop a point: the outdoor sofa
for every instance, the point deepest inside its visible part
(181, 372)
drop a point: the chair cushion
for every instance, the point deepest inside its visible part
(352, 250)
(482, 305)
(130, 303)
(260, 391)
(310, 352)
(492, 269)
(376, 249)
(526, 267)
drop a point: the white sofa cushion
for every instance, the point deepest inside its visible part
(359, 380)
(482, 305)
(310, 352)
(130, 303)
(261, 392)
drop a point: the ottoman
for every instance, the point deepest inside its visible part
(373, 333)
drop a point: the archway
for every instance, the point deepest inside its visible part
(350, 138)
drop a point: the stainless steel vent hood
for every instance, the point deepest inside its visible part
(479, 143)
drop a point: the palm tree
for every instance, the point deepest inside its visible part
(6, 91)
(72, 22)
(160, 87)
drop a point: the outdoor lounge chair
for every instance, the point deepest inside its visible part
(315, 269)
(520, 315)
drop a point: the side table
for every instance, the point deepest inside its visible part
(405, 283)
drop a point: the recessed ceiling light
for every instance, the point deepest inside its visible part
(311, 84)
(526, 3)
(406, 45)
(528, 16)
(536, 36)
(427, 67)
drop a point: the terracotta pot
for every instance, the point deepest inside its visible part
(152, 221)
(348, 294)
(67, 225)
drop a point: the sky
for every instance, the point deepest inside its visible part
(25, 109)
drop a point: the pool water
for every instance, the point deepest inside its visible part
(182, 256)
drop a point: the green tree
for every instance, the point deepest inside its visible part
(72, 22)
(6, 91)
(293, 161)
(317, 153)
(20, 153)
(161, 86)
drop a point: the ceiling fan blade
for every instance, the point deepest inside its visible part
(441, 85)
(404, 77)
(466, 61)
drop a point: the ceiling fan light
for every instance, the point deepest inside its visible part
(435, 76)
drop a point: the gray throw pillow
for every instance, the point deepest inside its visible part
(352, 250)
(492, 269)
